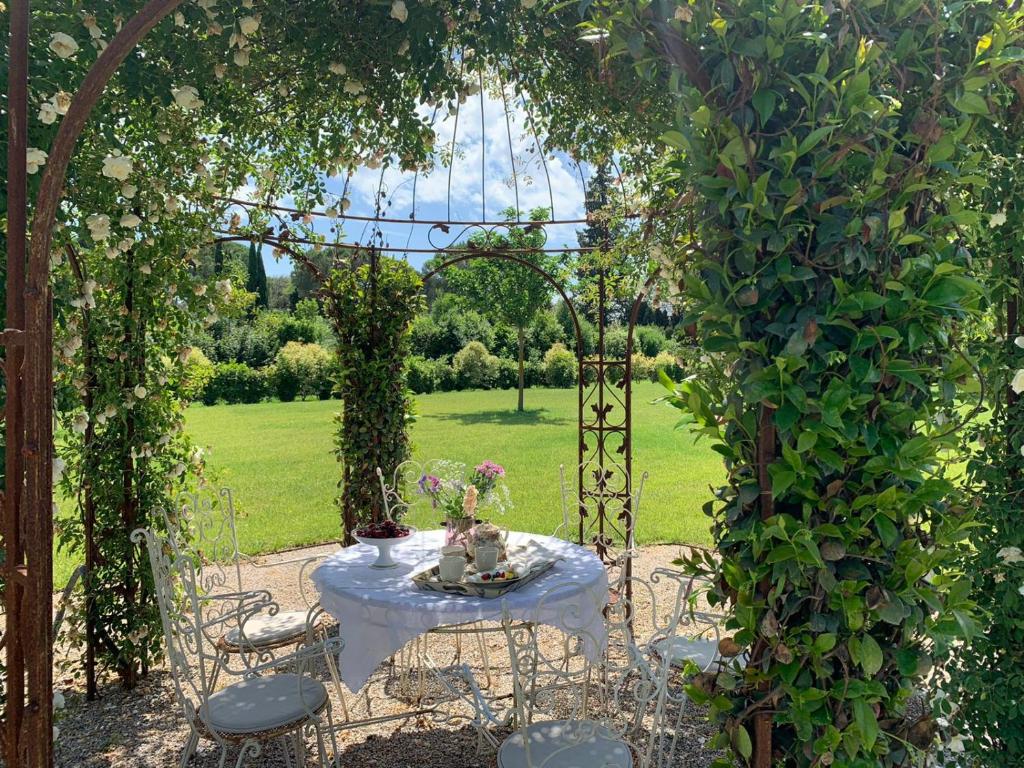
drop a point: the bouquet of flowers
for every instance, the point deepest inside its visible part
(461, 494)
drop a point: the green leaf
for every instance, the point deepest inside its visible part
(871, 656)
(741, 742)
(764, 103)
(972, 104)
(676, 140)
(867, 723)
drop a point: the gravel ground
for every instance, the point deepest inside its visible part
(146, 727)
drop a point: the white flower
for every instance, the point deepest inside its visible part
(187, 97)
(61, 102)
(146, 269)
(1017, 383)
(337, 68)
(99, 226)
(56, 733)
(238, 40)
(178, 470)
(345, 204)
(89, 22)
(223, 287)
(956, 744)
(219, 70)
(117, 167)
(1011, 555)
(59, 465)
(58, 700)
(34, 159)
(63, 45)
(200, 290)
(1022, 450)
(997, 219)
(241, 57)
(130, 221)
(398, 11)
(403, 47)
(80, 423)
(47, 113)
(683, 13)
(128, 190)
(528, 3)
(353, 87)
(248, 25)
(331, 213)
(140, 392)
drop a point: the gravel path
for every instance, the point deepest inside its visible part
(145, 727)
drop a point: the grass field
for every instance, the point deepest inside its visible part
(277, 459)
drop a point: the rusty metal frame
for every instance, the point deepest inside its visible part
(26, 524)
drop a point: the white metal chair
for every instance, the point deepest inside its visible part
(263, 703)
(202, 526)
(575, 714)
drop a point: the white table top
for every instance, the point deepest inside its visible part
(379, 611)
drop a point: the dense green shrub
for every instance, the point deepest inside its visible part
(475, 367)
(649, 340)
(533, 372)
(300, 370)
(559, 366)
(235, 383)
(447, 329)
(237, 341)
(666, 362)
(197, 375)
(425, 376)
(543, 332)
(615, 342)
(507, 375)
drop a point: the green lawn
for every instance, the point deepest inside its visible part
(277, 459)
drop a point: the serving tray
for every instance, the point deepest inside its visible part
(430, 580)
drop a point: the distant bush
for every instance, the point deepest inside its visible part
(235, 383)
(649, 340)
(426, 376)
(475, 367)
(301, 370)
(199, 371)
(534, 373)
(615, 343)
(543, 332)
(508, 374)
(559, 366)
(667, 362)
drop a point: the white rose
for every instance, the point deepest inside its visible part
(1019, 342)
(219, 70)
(337, 68)
(248, 25)
(61, 102)
(1017, 383)
(63, 45)
(179, 19)
(59, 465)
(47, 113)
(117, 167)
(1011, 555)
(241, 57)
(129, 190)
(353, 87)
(237, 40)
(146, 269)
(403, 47)
(99, 226)
(683, 13)
(398, 11)
(200, 290)
(81, 423)
(34, 159)
(331, 213)
(223, 287)
(345, 204)
(187, 97)
(130, 221)
(140, 392)
(997, 219)
(528, 3)
(956, 744)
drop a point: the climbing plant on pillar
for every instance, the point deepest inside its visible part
(825, 150)
(371, 305)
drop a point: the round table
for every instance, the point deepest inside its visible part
(379, 611)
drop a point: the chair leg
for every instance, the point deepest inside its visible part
(190, 749)
(249, 748)
(332, 669)
(287, 745)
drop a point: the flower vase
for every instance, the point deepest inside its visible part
(457, 530)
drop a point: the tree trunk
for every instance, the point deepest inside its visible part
(522, 374)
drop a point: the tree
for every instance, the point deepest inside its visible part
(257, 281)
(504, 290)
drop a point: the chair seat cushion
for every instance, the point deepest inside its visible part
(679, 650)
(564, 744)
(263, 630)
(263, 704)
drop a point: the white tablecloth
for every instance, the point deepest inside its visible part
(379, 611)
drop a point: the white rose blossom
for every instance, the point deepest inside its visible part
(63, 45)
(353, 87)
(997, 219)
(140, 392)
(99, 226)
(59, 465)
(117, 166)
(128, 191)
(34, 160)
(219, 70)
(241, 57)
(47, 113)
(187, 97)
(1017, 382)
(248, 25)
(80, 423)
(1011, 555)
(130, 221)
(399, 12)
(337, 68)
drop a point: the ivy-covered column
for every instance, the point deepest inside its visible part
(824, 146)
(371, 307)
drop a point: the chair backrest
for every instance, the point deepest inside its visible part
(190, 660)
(206, 521)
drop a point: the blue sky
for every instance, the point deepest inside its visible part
(466, 200)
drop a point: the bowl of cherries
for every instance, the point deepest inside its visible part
(383, 535)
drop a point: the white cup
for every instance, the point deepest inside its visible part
(453, 550)
(486, 558)
(452, 567)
